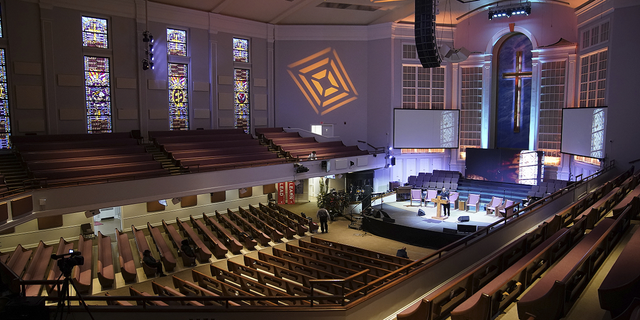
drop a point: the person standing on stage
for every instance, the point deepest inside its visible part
(323, 217)
(444, 195)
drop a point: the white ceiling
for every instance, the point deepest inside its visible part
(295, 12)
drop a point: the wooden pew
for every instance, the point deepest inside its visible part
(60, 145)
(176, 240)
(168, 260)
(301, 229)
(4, 257)
(218, 152)
(252, 286)
(440, 302)
(110, 170)
(313, 227)
(555, 293)
(88, 161)
(118, 302)
(38, 268)
(330, 266)
(83, 152)
(125, 256)
(202, 252)
(494, 297)
(273, 233)
(622, 283)
(226, 290)
(219, 249)
(165, 291)
(248, 241)
(191, 289)
(633, 197)
(600, 207)
(105, 271)
(337, 260)
(232, 243)
(82, 275)
(68, 137)
(362, 252)
(54, 271)
(134, 292)
(189, 133)
(142, 245)
(206, 144)
(19, 259)
(260, 236)
(378, 263)
(282, 228)
(296, 271)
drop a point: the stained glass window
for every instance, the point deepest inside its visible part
(177, 42)
(240, 50)
(97, 94)
(241, 99)
(178, 96)
(597, 134)
(5, 123)
(94, 32)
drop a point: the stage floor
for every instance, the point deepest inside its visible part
(407, 215)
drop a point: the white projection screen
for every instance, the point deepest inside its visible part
(425, 129)
(584, 131)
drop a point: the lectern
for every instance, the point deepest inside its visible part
(439, 202)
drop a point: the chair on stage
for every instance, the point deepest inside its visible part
(493, 205)
(431, 194)
(416, 194)
(473, 201)
(507, 209)
(453, 199)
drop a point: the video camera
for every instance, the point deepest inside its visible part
(67, 261)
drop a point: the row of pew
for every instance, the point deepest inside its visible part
(494, 283)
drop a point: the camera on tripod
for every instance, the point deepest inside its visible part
(67, 261)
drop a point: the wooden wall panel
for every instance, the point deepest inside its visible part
(218, 196)
(189, 201)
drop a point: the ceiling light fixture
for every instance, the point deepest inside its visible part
(508, 11)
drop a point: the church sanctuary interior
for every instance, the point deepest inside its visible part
(167, 159)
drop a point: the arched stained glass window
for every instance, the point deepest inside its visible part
(5, 121)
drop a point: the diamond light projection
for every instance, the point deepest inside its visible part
(322, 79)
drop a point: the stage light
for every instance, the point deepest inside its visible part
(145, 64)
(508, 11)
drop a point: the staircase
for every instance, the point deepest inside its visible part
(167, 163)
(13, 171)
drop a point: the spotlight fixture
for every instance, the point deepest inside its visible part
(300, 168)
(508, 11)
(147, 39)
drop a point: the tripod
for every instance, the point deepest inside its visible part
(64, 296)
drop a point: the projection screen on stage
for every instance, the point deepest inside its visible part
(422, 129)
(583, 131)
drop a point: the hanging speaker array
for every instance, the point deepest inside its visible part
(425, 32)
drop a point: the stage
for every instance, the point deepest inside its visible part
(424, 231)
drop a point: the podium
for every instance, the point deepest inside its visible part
(439, 201)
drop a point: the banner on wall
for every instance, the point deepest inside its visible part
(282, 191)
(291, 192)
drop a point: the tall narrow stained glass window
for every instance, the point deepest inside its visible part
(97, 94)
(177, 42)
(240, 50)
(178, 97)
(241, 99)
(5, 123)
(597, 134)
(94, 33)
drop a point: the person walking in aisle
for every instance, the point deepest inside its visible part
(323, 217)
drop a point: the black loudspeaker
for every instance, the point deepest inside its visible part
(425, 33)
(463, 219)
(393, 161)
(450, 231)
(325, 166)
(420, 212)
(467, 228)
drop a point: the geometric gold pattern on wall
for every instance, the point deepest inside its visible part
(322, 79)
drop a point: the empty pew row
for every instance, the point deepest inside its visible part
(86, 161)
(334, 265)
(226, 290)
(378, 263)
(337, 260)
(183, 133)
(219, 249)
(74, 144)
(248, 241)
(282, 228)
(68, 137)
(237, 161)
(165, 291)
(633, 198)
(362, 252)
(291, 287)
(19, 259)
(166, 256)
(188, 288)
(622, 284)
(439, 303)
(494, 297)
(134, 292)
(77, 153)
(313, 227)
(300, 228)
(254, 287)
(37, 268)
(171, 148)
(554, 294)
(106, 273)
(64, 247)
(258, 235)
(598, 209)
(232, 150)
(125, 256)
(82, 275)
(312, 267)
(226, 237)
(176, 240)
(111, 171)
(203, 254)
(250, 216)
